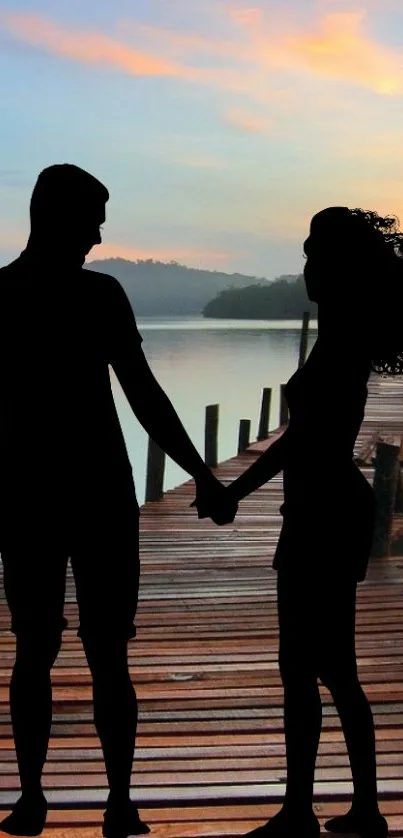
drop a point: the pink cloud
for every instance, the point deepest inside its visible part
(195, 257)
(249, 16)
(88, 47)
(248, 121)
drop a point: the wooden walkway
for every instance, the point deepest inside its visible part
(210, 756)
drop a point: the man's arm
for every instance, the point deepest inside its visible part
(156, 413)
(146, 397)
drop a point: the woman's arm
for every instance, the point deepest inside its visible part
(270, 463)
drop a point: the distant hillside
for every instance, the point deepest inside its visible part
(284, 299)
(157, 288)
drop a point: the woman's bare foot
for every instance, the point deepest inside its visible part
(119, 822)
(367, 825)
(285, 825)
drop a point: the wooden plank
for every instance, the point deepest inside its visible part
(210, 755)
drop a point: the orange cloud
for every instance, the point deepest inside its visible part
(337, 46)
(91, 48)
(103, 50)
(340, 48)
(247, 121)
(175, 42)
(12, 239)
(259, 47)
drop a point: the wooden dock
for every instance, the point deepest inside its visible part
(210, 756)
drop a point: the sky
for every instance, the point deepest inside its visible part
(219, 127)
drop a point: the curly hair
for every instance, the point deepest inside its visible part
(388, 360)
(378, 241)
(386, 227)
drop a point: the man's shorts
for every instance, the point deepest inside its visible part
(97, 526)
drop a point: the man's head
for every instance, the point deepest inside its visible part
(67, 209)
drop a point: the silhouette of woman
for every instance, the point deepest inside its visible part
(353, 271)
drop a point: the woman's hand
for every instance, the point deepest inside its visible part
(214, 501)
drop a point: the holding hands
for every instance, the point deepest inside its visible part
(220, 503)
(213, 500)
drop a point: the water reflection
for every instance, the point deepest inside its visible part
(200, 362)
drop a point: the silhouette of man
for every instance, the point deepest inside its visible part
(66, 486)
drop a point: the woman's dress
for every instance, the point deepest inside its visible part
(328, 510)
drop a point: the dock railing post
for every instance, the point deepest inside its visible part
(387, 469)
(399, 492)
(283, 407)
(211, 436)
(303, 345)
(244, 435)
(264, 421)
(155, 471)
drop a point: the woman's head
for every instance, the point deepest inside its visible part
(348, 243)
(354, 258)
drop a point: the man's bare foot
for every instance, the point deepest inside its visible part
(28, 816)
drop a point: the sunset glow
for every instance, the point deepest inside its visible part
(219, 128)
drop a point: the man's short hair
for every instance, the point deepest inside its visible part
(64, 186)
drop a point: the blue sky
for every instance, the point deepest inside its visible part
(219, 127)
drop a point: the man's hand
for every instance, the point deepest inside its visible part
(213, 501)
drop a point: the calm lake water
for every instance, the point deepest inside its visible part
(200, 362)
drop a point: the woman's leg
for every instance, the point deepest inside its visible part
(302, 707)
(302, 704)
(337, 670)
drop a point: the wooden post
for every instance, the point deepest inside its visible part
(399, 492)
(399, 488)
(155, 471)
(264, 421)
(283, 407)
(385, 488)
(244, 435)
(304, 339)
(211, 436)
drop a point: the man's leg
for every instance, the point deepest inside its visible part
(105, 562)
(115, 712)
(34, 585)
(31, 716)
(115, 718)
